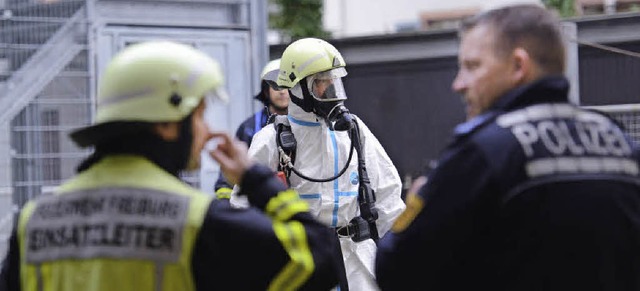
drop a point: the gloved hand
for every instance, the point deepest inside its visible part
(232, 156)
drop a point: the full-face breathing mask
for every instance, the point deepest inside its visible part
(338, 117)
(323, 94)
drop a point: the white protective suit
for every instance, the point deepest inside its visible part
(322, 153)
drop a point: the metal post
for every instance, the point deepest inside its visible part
(610, 6)
(570, 32)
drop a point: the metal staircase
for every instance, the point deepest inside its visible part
(44, 92)
(41, 66)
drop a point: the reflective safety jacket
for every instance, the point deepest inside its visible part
(535, 194)
(125, 224)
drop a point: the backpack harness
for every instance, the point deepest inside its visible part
(361, 227)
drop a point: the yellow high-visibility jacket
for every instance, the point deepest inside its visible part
(126, 224)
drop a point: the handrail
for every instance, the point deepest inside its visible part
(42, 67)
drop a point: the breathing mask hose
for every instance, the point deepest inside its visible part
(344, 169)
(341, 117)
(366, 195)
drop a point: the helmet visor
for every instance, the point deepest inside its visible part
(218, 94)
(270, 77)
(327, 85)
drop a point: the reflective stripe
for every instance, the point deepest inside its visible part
(115, 99)
(302, 122)
(286, 204)
(301, 266)
(224, 193)
(549, 111)
(549, 166)
(336, 170)
(304, 65)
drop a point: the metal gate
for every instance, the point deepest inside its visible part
(52, 51)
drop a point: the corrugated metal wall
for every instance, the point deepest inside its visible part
(404, 94)
(409, 106)
(607, 77)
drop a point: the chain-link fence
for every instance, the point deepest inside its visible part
(627, 115)
(41, 153)
(40, 68)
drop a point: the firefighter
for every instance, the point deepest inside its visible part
(327, 171)
(127, 222)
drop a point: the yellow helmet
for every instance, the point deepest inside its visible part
(306, 57)
(154, 81)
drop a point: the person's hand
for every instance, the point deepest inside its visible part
(232, 156)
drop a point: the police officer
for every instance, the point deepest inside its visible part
(533, 193)
(275, 103)
(328, 177)
(127, 222)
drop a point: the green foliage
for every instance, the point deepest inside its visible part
(566, 8)
(299, 18)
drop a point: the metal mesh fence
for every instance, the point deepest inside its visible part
(631, 122)
(41, 154)
(46, 67)
(627, 115)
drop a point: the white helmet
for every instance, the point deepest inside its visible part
(154, 81)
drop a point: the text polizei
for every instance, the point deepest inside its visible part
(589, 143)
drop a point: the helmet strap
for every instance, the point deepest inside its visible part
(180, 147)
(307, 101)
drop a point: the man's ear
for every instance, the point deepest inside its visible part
(523, 66)
(166, 130)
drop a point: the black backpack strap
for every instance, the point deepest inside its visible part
(287, 145)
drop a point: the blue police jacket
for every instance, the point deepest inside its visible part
(535, 194)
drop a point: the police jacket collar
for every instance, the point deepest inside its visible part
(553, 89)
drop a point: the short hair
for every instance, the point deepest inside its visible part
(528, 26)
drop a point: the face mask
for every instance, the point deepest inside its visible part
(330, 104)
(328, 95)
(335, 114)
(327, 86)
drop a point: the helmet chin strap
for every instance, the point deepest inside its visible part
(306, 101)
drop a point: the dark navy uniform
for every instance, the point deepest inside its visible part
(534, 194)
(245, 133)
